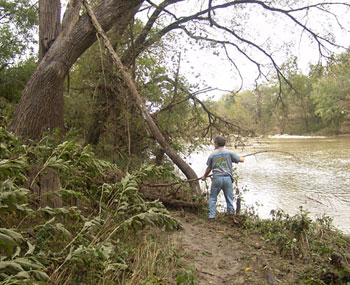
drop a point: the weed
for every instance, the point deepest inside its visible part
(186, 276)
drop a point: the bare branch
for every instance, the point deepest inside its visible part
(139, 44)
(206, 16)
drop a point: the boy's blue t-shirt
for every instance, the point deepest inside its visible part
(220, 161)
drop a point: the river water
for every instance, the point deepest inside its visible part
(308, 172)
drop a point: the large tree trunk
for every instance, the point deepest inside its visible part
(38, 101)
(49, 28)
(49, 24)
(184, 167)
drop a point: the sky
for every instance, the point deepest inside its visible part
(208, 68)
(216, 71)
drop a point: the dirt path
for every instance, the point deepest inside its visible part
(219, 253)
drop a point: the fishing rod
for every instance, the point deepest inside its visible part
(209, 176)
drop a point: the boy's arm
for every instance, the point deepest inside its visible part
(206, 173)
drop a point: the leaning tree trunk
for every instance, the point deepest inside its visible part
(32, 115)
(184, 167)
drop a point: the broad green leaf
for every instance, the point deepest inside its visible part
(10, 267)
(41, 275)
(30, 250)
(22, 275)
(28, 264)
(17, 252)
(63, 230)
(7, 242)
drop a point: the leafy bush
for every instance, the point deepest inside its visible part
(79, 243)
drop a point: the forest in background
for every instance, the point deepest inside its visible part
(78, 180)
(317, 103)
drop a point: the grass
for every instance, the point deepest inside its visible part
(155, 260)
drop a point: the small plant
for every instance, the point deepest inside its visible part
(186, 276)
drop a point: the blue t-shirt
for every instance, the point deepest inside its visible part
(220, 161)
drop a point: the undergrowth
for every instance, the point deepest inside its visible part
(320, 250)
(104, 232)
(84, 241)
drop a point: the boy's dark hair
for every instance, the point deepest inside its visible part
(220, 141)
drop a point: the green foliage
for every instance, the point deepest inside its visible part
(99, 106)
(17, 23)
(17, 265)
(13, 80)
(12, 161)
(186, 276)
(13, 198)
(317, 251)
(331, 92)
(57, 243)
(299, 237)
(299, 104)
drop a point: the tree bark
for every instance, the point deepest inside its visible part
(184, 167)
(49, 28)
(38, 101)
(49, 24)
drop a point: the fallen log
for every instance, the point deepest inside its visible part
(173, 155)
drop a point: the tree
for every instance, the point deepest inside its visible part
(18, 20)
(14, 78)
(77, 35)
(37, 102)
(295, 108)
(331, 92)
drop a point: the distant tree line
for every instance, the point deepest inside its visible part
(317, 103)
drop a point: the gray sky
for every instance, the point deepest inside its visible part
(202, 65)
(216, 70)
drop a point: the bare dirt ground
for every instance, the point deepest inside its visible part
(222, 254)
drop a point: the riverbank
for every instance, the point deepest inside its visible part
(246, 250)
(105, 231)
(293, 172)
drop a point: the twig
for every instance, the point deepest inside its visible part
(174, 183)
(314, 200)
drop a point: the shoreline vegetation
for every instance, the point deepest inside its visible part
(98, 227)
(95, 125)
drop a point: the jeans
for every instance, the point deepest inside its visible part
(217, 184)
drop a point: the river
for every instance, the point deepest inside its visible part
(308, 172)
